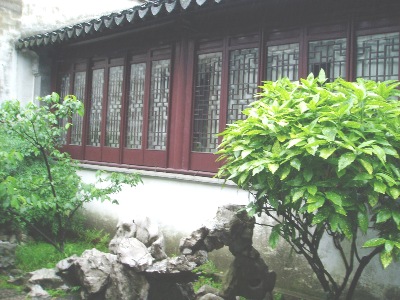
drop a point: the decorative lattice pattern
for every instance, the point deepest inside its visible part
(243, 79)
(207, 102)
(64, 91)
(77, 120)
(135, 106)
(378, 56)
(95, 108)
(329, 55)
(158, 105)
(283, 61)
(114, 104)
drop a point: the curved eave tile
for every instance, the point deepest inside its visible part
(132, 15)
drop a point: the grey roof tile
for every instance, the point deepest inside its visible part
(152, 9)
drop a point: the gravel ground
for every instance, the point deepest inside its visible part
(11, 294)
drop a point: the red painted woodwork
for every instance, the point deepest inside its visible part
(163, 113)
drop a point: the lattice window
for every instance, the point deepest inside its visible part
(158, 105)
(114, 104)
(77, 120)
(378, 56)
(64, 91)
(135, 106)
(243, 81)
(283, 61)
(329, 55)
(95, 108)
(207, 102)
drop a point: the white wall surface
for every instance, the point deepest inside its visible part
(19, 78)
(180, 204)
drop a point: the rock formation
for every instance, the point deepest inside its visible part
(138, 268)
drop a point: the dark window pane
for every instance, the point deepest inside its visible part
(243, 79)
(135, 106)
(77, 120)
(378, 56)
(283, 61)
(114, 103)
(207, 102)
(95, 108)
(158, 105)
(329, 55)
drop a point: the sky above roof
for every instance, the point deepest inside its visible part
(47, 15)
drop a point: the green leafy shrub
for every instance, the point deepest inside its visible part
(208, 274)
(39, 185)
(322, 159)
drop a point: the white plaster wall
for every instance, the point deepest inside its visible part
(177, 203)
(180, 204)
(19, 78)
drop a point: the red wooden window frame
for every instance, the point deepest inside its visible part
(205, 161)
(178, 155)
(145, 156)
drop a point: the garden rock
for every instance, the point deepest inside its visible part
(126, 284)
(65, 264)
(133, 253)
(143, 230)
(38, 293)
(210, 296)
(248, 275)
(46, 278)
(93, 269)
(7, 255)
(171, 265)
(206, 289)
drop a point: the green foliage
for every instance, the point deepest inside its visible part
(39, 185)
(98, 238)
(321, 157)
(38, 255)
(4, 284)
(208, 275)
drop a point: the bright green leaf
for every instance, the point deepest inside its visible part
(345, 160)
(379, 187)
(366, 165)
(374, 242)
(326, 152)
(383, 216)
(312, 189)
(386, 259)
(273, 167)
(294, 142)
(295, 163)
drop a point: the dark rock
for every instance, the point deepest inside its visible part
(248, 277)
(7, 255)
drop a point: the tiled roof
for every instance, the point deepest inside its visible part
(137, 14)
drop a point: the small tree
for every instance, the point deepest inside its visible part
(46, 185)
(321, 159)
